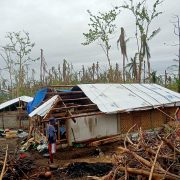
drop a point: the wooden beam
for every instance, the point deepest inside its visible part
(74, 106)
(106, 140)
(166, 114)
(66, 93)
(77, 116)
(75, 99)
(58, 114)
(69, 113)
(86, 111)
(61, 85)
(54, 104)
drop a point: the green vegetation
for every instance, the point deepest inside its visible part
(22, 79)
(101, 29)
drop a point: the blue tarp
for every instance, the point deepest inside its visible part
(38, 98)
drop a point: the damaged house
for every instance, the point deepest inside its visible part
(13, 113)
(89, 112)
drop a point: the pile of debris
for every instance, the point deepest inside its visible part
(15, 166)
(155, 155)
(11, 133)
(18, 168)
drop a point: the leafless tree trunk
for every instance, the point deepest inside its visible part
(177, 33)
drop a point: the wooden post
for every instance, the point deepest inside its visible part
(68, 131)
(44, 127)
(30, 122)
(19, 114)
(3, 120)
(58, 130)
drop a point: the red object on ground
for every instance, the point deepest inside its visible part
(22, 155)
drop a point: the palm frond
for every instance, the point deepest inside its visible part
(154, 33)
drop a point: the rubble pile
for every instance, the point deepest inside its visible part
(18, 168)
(10, 133)
(153, 155)
(15, 164)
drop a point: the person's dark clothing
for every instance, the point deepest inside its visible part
(51, 134)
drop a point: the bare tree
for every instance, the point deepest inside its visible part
(177, 33)
(5, 53)
(20, 47)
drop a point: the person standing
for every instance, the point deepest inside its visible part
(51, 132)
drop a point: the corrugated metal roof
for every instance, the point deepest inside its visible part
(112, 98)
(12, 101)
(44, 108)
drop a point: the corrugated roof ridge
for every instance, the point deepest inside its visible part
(137, 95)
(99, 92)
(145, 92)
(157, 93)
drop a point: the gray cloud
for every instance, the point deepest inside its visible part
(57, 26)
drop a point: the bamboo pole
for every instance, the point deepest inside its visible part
(166, 114)
(4, 164)
(154, 162)
(141, 159)
(147, 173)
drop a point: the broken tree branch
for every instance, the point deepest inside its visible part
(4, 164)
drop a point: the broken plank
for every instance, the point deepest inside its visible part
(111, 139)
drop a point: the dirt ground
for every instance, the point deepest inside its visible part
(66, 157)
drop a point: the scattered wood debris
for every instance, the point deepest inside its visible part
(144, 154)
(151, 155)
(4, 164)
(15, 166)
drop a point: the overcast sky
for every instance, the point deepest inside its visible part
(57, 27)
